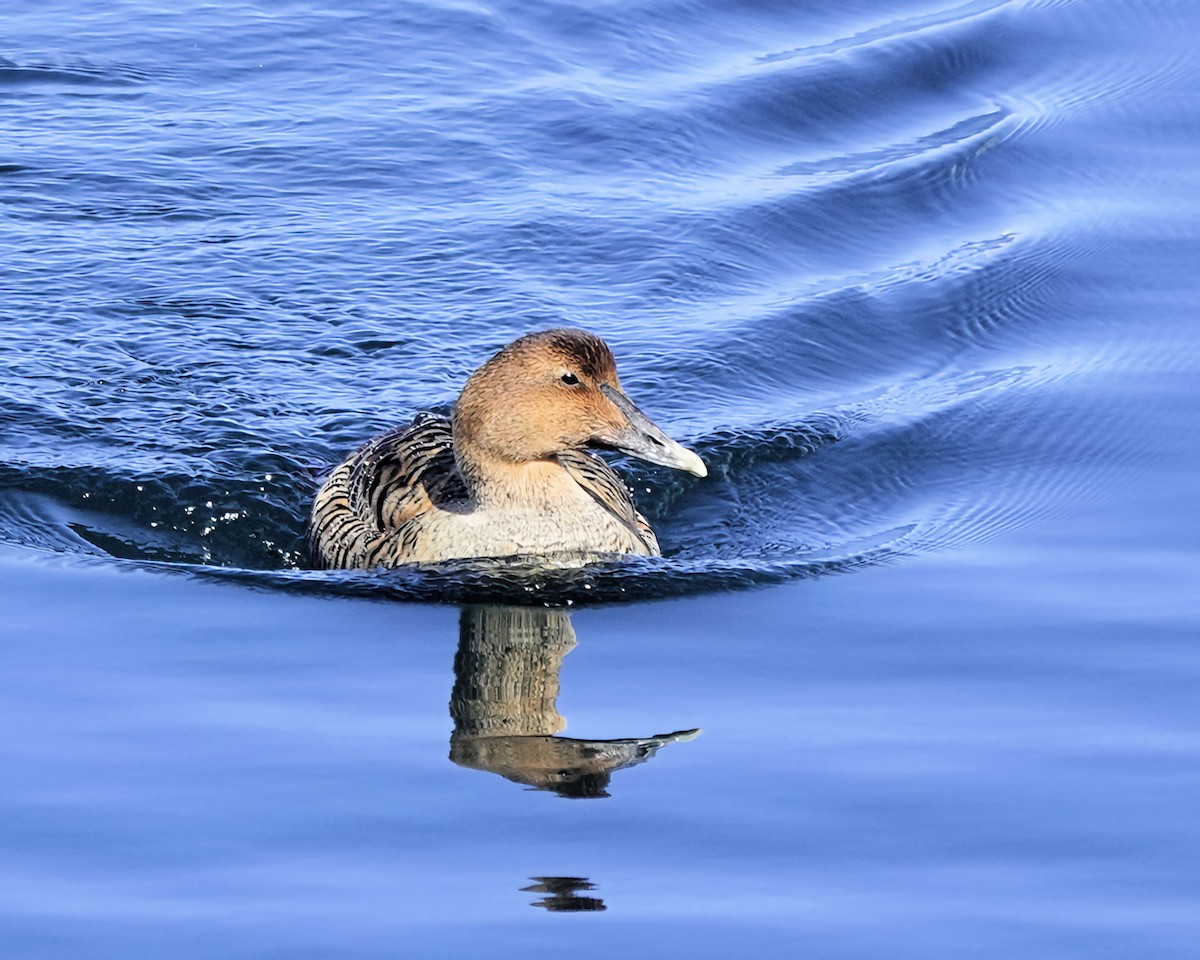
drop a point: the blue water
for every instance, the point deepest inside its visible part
(915, 279)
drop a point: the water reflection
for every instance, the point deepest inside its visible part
(563, 894)
(503, 706)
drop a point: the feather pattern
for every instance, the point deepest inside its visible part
(605, 487)
(375, 510)
(508, 475)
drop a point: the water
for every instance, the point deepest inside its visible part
(915, 279)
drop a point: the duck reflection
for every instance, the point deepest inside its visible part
(563, 895)
(503, 706)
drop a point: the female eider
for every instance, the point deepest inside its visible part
(508, 475)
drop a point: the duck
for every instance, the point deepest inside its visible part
(510, 474)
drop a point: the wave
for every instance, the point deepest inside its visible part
(843, 252)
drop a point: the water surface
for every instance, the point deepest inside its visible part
(915, 279)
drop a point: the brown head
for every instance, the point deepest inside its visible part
(550, 392)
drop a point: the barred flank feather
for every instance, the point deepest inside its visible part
(608, 490)
(367, 513)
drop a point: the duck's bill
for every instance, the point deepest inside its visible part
(643, 439)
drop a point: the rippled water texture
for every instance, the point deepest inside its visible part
(871, 260)
(917, 278)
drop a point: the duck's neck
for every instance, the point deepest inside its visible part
(496, 484)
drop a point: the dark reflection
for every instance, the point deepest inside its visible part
(505, 685)
(563, 894)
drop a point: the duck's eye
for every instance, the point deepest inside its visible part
(570, 379)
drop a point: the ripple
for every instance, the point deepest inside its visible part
(909, 470)
(893, 29)
(72, 72)
(973, 133)
(850, 254)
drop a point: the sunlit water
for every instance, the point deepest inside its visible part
(915, 279)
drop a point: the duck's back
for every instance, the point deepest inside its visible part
(401, 499)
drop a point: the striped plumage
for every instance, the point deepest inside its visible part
(374, 509)
(508, 477)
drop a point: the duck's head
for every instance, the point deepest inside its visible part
(550, 392)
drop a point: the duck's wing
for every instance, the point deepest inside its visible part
(608, 490)
(367, 513)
